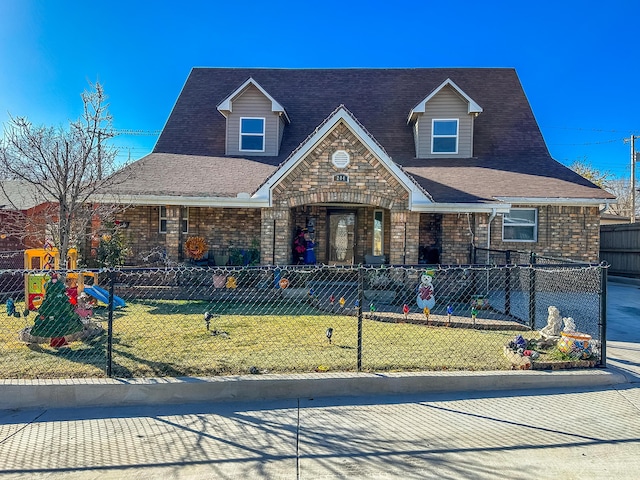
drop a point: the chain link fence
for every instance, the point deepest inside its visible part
(205, 321)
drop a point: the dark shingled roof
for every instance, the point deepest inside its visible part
(510, 156)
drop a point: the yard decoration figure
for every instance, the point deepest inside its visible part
(299, 247)
(309, 252)
(426, 312)
(56, 317)
(426, 296)
(405, 310)
(554, 324)
(449, 313)
(342, 302)
(329, 334)
(474, 314)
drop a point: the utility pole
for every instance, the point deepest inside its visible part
(632, 140)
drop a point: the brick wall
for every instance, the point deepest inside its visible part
(223, 228)
(563, 231)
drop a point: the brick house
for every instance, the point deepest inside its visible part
(404, 166)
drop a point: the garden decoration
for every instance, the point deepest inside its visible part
(231, 283)
(332, 299)
(426, 312)
(474, 314)
(196, 247)
(329, 334)
(372, 307)
(309, 252)
(575, 344)
(56, 319)
(554, 324)
(207, 319)
(426, 296)
(283, 283)
(342, 301)
(356, 303)
(11, 309)
(405, 310)
(449, 313)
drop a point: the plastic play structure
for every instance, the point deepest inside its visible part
(48, 258)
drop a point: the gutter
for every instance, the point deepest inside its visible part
(460, 208)
(225, 202)
(493, 215)
(569, 202)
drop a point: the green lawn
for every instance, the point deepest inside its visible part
(169, 338)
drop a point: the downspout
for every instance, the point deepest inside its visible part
(493, 215)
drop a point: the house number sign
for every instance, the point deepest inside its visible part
(341, 177)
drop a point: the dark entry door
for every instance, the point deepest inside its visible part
(342, 235)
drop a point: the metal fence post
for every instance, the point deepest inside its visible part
(112, 281)
(603, 315)
(359, 310)
(532, 292)
(507, 287)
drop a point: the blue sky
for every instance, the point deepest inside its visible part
(577, 60)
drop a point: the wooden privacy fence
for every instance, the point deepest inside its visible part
(620, 248)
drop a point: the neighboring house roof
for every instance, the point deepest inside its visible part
(613, 219)
(511, 160)
(19, 195)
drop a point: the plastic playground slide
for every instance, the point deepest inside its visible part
(102, 295)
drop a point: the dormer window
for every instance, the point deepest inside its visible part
(251, 134)
(444, 138)
(255, 121)
(443, 123)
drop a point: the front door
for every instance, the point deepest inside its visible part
(342, 235)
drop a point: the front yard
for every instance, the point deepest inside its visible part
(153, 338)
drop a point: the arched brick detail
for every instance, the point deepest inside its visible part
(330, 196)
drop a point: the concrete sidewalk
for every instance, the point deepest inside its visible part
(518, 425)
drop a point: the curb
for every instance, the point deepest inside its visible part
(24, 394)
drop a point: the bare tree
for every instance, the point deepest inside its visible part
(622, 190)
(60, 168)
(601, 178)
(619, 187)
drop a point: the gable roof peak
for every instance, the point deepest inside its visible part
(473, 107)
(225, 105)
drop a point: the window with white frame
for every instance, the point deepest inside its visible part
(378, 232)
(444, 135)
(520, 225)
(251, 134)
(163, 220)
(184, 217)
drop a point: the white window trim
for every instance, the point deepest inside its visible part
(185, 219)
(373, 246)
(434, 136)
(263, 134)
(535, 227)
(161, 218)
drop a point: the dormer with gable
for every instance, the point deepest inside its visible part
(255, 121)
(443, 123)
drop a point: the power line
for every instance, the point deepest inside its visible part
(605, 142)
(132, 132)
(599, 130)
